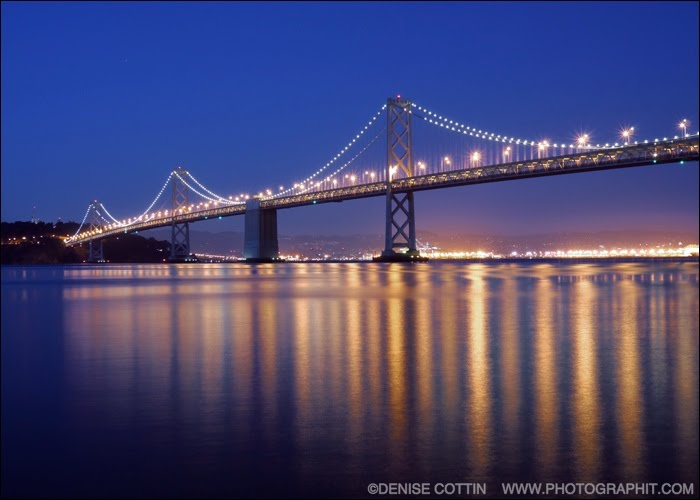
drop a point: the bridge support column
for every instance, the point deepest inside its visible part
(260, 233)
(96, 253)
(95, 222)
(180, 243)
(400, 228)
(180, 235)
(400, 236)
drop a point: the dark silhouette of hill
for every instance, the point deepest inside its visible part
(42, 243)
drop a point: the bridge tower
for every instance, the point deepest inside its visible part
(180, 235)
(96, 250)
(400, 213)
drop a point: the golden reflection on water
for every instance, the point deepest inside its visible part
(686, 381)
(424, 374)
(545, 379)
(396, 361)
(447, 333)
(629, 398)
(510, 368)
(407, 368)
(585, 403)
(479, 404)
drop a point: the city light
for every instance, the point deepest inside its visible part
(576, 253)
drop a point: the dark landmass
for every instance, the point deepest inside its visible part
(42, 243)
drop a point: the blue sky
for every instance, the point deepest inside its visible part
(102, 100)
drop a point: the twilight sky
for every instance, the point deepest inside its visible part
(102, 100)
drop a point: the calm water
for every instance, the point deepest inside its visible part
(317, 379)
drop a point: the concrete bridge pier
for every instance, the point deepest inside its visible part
(260, 233)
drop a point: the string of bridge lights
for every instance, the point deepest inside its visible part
(340, 169)
(582, 140)
(110, 215)
(220, 198)
(145, 212)
(194, 190)
(124, 223)
(337, 156)
(104, 219)
(452, 125)
(82, 223)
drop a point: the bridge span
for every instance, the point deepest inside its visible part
(398, 186)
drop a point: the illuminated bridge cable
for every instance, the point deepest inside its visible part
(338, 170)
(104, 219)
(374, 139)
(460, 128)
(340, 153)
(194, 190)
(82, 223)
(145, 212)
(136, 219)
(110, 215)
(220, 198)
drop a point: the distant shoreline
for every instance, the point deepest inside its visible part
(545, 260)
(509, 260)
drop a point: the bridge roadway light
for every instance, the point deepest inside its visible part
(627, 135)
(683, 125)
(475, 157)
(392, 171)
(506, 154)
(582, 140)
(421, 165)
(445, 161)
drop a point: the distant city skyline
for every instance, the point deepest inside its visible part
(103, 100)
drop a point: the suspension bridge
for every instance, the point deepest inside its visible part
(420, 150)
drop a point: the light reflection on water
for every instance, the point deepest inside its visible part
(317, 379)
